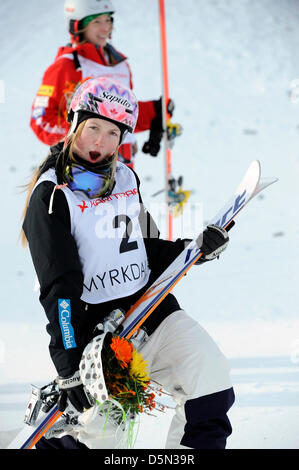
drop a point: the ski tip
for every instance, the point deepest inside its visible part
(254, 168)
(257, 165)
(270, 180)
(266, 180)
(263, 181)
(263, 184)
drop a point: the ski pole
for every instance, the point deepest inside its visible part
(165, 113)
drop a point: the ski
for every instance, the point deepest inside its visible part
(251, 185)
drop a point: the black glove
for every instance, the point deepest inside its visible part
(152, 146)
(158, 108)
(72, 388)
(213, 241)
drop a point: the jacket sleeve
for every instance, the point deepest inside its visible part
(48, 113)
(56, 261)
(146, 114)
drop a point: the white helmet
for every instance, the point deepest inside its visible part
(79, 9)
(76, 10)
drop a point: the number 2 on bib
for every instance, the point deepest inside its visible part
(125, 245)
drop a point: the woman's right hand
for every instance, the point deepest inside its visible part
(72, 389)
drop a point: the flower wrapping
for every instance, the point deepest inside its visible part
(91, 369)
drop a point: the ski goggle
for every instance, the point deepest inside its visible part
(90, 183)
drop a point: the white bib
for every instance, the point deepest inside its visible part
(109, 239)
(119, 72)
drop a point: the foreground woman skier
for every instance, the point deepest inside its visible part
(95, 249)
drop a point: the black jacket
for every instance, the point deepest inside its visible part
(57, 265)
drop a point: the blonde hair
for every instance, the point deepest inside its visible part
(37, 173)
(29, 188)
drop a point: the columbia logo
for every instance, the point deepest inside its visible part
(64, 304)
(64, 307)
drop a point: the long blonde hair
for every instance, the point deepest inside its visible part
(70, 142)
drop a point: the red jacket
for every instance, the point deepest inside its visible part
(71, 65)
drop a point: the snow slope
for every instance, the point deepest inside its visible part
(231, 69)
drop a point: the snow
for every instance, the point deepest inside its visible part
(233, 75)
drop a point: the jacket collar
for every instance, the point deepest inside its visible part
(90, 51)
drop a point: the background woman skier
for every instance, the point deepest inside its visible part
(90, 24)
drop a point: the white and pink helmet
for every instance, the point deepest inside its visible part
(106, 98)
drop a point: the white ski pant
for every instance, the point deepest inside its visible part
(188, 364)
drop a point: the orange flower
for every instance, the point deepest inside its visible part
(122, 350)
(150, 401)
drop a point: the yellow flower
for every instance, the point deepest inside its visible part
(138, 368)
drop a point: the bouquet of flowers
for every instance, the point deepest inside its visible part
(115, 374)
(126, 376)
